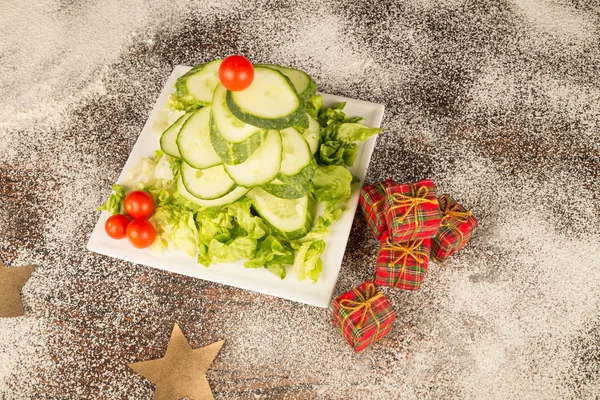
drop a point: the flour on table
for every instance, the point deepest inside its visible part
(496, 102)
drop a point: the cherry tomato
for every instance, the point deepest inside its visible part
(139, 204)
(141, 233)
(116, 226)
(236, 73)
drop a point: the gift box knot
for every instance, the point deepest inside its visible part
(363, 304)
(450, 213)
(405, 250)
(412, 202)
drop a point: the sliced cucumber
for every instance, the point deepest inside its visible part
(291, 186)
(312, 134)
(302, 82)
(235, 153)
(184, 196)
(193, 141)
(296, 153)
(304, 175)
(260, 168)
(206, 184)
(168, 139)
(296, 167)
(293, 218)
(302, 125)
(270, 102)
(197, 86)
(231, 128)
(287, 190)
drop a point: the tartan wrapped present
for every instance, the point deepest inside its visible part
(372, 205)
(402, 265)
(457, 227)
(363, 315)
(412, 211)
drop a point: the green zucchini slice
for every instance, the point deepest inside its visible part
(206, 184)
(194, 143)
(270, 102)
(196, 87)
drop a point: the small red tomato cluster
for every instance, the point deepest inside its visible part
(138, 205)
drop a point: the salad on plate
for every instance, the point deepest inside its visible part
(251, 166)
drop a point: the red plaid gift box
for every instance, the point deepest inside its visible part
(363, 315)
(402, 265)
(412, 211)
(457, 227)
(372, 205)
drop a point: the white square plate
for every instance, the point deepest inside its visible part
(234, 274)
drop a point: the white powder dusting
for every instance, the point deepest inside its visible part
(509, 127)
(559, 21)
(23, 354)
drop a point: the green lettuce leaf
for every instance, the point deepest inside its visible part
(114, 204)
(253, 226)
(154, 173)
(313, 106)
(308, 260)
(272, 254)
(214, 224)
(321, 229)
(338, 136)
(178, 104)
(277, 269)
(231, 250)
(228, 233)
(332, 115)
(334, 152)
(353, 132)
(332, 184)
(176, 226)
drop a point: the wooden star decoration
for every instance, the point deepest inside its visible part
(12, 281)
(182, 371)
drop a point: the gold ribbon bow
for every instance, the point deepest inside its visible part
(408, 249)
(450, 213)
(411, 202)
(363, 304)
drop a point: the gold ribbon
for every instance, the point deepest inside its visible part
(411, 202)
(363, 304)
(408, 249)
(450, 213)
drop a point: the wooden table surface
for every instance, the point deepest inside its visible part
(497, 101)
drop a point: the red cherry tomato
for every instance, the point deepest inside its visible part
(141, 233)
(236, 73)
(139, 204)
(116, 226)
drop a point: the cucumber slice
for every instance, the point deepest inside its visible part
(232, 129)
(291, 186)
(185, 197)
(296, 167)
(260, 168)
(296, 153)
(312, 135)
(270, 102)
(287, 190)
(206, 184)
(235, 153)
(193, 141)
(292, 218)
(302, 82)
(302, 124)
(196, 87)
(168, 139)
